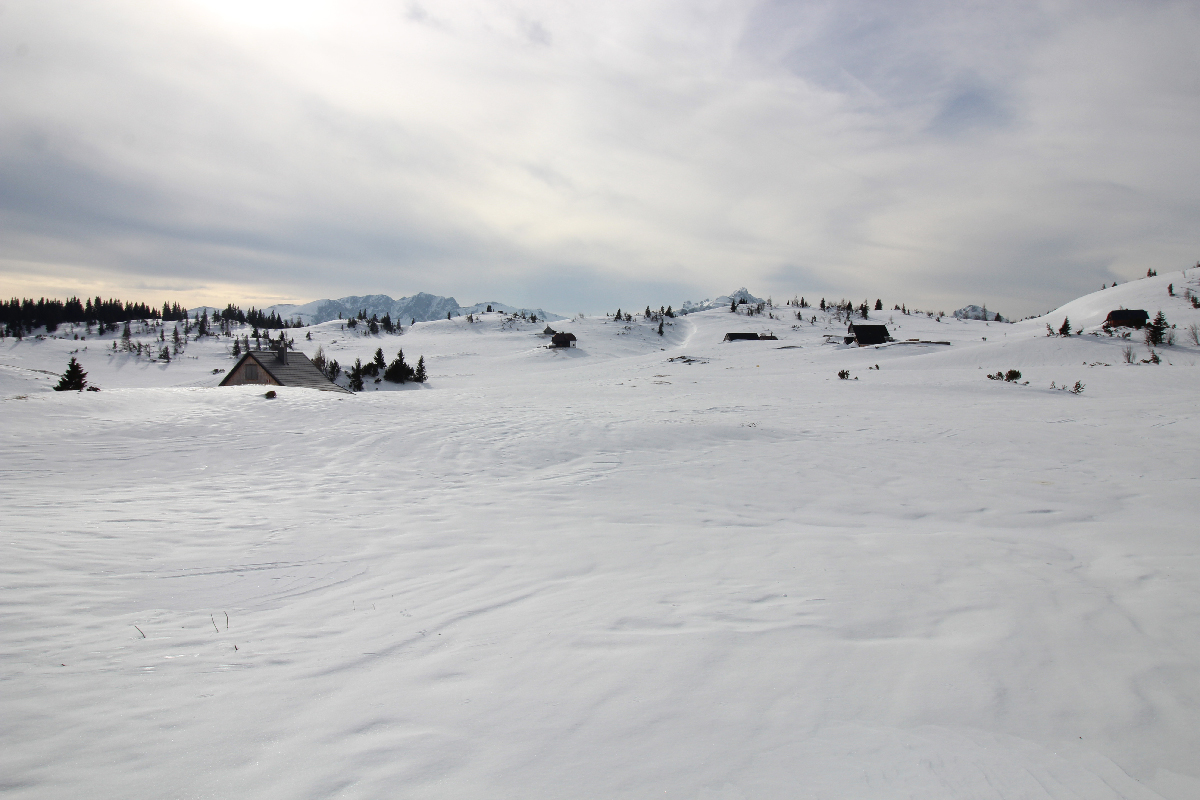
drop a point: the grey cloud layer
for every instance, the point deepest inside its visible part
(574, 156)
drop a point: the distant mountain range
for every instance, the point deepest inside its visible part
(421, 307)
(723, 301)
(979, 312)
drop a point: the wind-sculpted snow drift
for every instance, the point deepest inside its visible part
(646, 566)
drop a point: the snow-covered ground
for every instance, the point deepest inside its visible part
(643, 567)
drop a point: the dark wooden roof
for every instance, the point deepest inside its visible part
(1120, 317)
(562, 339)
(869, 334)
(297, 371)
(735, 337)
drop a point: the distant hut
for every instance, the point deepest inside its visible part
(562, 340)
(1127, 318)
(741, 337)
(549, 331)
(865, 335)
(279, 368)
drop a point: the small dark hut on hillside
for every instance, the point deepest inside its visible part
(865, 335)
(549, 331)
(562, 340)
(1127, 318)
(741, 337)
(271, 368)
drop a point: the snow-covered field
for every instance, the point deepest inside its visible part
(610, 571)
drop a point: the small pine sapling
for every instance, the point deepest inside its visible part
(74, 379)
(1156, 329)
(1065, 328)
(420, 376)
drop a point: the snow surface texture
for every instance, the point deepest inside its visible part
(643, 567)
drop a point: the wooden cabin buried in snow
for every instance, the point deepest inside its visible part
(562, 340)
(270, 368)
(1127, 318)
(749, 337)
(865, 335)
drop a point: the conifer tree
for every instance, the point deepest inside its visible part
(879, 305)
(1155, 329)
(74, 379)
(379, 360)
(398, 371)
(420, 376)
(1065, 328)
(356, 381)
(660, 327)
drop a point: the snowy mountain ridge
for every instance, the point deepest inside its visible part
(420, 307)
(979, 312)
(723, 301)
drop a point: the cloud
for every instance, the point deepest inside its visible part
(579, 154)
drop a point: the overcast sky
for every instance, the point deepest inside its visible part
(580, 155)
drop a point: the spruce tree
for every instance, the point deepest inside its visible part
(74, 379)
(398, 371)
(660, 328)
(1155, 329)
(879, 305)
(420, 376)
(1065, 328)
(379, 360)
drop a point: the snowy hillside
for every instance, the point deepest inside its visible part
(645, 566)
(1149, 294)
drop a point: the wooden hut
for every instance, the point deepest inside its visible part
(562, 340)
(279, 368)
(864, 335)
(1127, 318)
(741, 337)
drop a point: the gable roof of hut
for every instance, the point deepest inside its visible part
(288, 369)
(869, 333)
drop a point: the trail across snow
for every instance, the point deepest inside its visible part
(609, 572)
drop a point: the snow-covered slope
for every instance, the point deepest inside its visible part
(1149, 294)
(644, 566)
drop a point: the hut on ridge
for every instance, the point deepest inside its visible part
(1127, 318)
